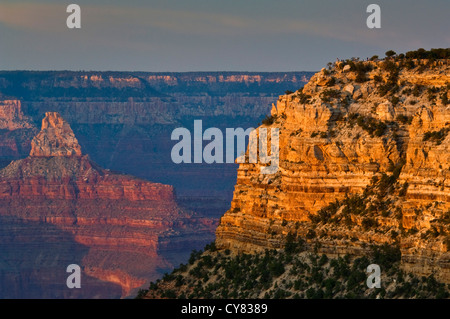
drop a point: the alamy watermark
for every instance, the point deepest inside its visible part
(374, 19)
(74, 19)
(374, 279)
(74, 279)
(214, 151)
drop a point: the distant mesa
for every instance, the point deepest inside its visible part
(56, 138)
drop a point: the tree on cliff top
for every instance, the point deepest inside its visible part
(390, 53)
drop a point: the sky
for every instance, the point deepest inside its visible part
(212, 35)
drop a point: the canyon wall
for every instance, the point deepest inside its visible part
(124, 120)
(364, 159)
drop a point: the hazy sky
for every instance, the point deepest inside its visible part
(212, 35)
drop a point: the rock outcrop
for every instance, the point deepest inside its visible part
(12, 117)
(123, 231)
(16, 130)
(374, 133)
(56, 138)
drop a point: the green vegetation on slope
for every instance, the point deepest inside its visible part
(291, 273)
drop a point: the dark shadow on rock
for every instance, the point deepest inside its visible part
(33, 260)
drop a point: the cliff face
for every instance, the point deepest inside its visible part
(16, 129)
(121, 230)
(12, 117)
(56, 138)
(364, 159)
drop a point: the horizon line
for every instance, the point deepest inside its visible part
(124, 71)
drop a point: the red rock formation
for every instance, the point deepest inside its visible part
(127, 224)
(55, 139)
(16, 130)
(12, 117)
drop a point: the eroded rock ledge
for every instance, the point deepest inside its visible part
(353, 125)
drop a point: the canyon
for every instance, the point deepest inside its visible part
(64, 136)
(363, 181)
(124, 120)
(58, 207)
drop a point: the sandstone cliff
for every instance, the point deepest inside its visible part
(364, 159)
(56, 138)
(16, 130)
(123, 231)
(12, 117)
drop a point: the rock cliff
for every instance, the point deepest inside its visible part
(16, 130)
(12, 117)
(56, 138)
(123, 231)
(124, 120)
(364, 159)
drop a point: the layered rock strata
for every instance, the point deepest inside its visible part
(121, 230)
(16, 130)
(350, 124)
(124, 120)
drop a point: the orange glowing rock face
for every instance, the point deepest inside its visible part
(327, 153)
(55, 139)
(129, 230)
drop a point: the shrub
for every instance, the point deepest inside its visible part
(389, 66)
(331, 82)
(304, 98)
(395, 100)
(404, 119)
(444, 98)
(169, 294)
(386, 255)
(211, 247)
(293, 244)
(141, 293)
(378, 78)
(431, 93)
(311, 234)
(268, 120)
(431, 54)
(361, 69)
(391, 83)
(436, 136)
(360, 77)
(326, 95)
(410, 64)
(417, 90)
(390, 53)
(368, 223)
(179, 281)
(195, 254)
(371, 125)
